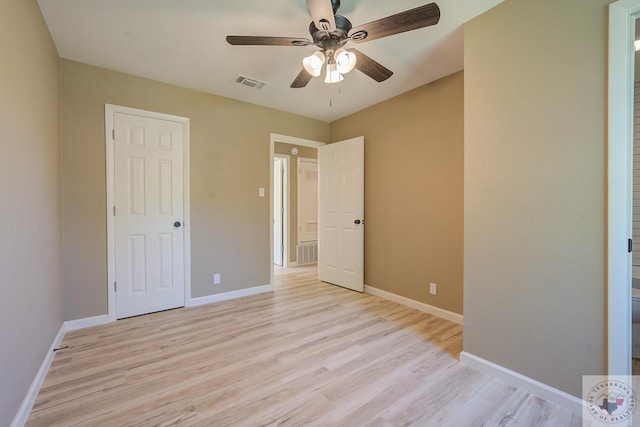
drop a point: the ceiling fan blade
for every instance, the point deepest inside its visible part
(267, 41)
(322, 13)
(302, 79)
(370, 67)
(413, 19)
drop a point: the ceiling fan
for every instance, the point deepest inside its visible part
(331, 32)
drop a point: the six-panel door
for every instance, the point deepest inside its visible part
(148, 215)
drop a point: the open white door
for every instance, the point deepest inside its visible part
(341, 213)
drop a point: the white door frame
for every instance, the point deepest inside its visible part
(274, 137)
(285, 205)
(109, 114)
(622, 15)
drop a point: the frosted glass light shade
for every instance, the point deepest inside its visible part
(333, 75)
(345, 60)
(313, 64)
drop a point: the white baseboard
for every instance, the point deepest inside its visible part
(72, 325)
(553, 395)
(426, 308)
(30, 398)
(229, 295)
(87, 322)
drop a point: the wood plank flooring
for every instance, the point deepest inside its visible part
(307, 354)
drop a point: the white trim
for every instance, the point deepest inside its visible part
(553, 395)
(109, 111)
(30, 398)
(110, 178)
(87, 322)
(286, 183)
(209, 299)
(620, 142)
(296, 141)
(426, 308)
(274, 137)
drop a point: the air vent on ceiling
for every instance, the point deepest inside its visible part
(249, 81)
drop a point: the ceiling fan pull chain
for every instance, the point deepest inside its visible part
(335, 91)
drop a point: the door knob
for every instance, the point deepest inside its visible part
(177, 224)
(356, 222)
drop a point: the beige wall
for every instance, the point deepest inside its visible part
(414, 191)
(303, 152)
(229, 162)
(534, 246)
(30, 274)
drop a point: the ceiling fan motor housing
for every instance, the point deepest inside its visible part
(334, 39)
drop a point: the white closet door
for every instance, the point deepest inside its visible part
(149, 237)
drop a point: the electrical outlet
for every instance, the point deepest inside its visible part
(216, 279)
(433, 288)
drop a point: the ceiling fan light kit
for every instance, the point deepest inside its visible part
(340, 62)
(313, 64)
(331, 32)
(333, 75)
(345, 60)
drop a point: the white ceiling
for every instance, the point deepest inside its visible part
(182, 42)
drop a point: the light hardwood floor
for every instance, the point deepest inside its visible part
(307, 354)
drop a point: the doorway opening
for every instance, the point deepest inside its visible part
(287, 150)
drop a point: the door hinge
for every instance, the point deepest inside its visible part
(629, 245)
(113, 134)
(114, 211)
(115, 286)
